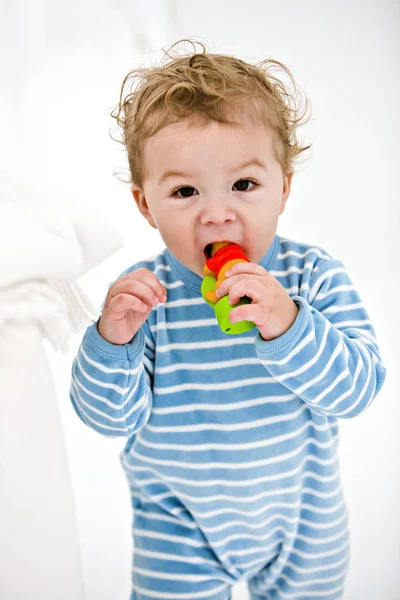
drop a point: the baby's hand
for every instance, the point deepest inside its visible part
(272, 309)
(128, 304)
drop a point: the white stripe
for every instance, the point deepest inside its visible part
(141, 402)
(105, 369)
(309, 593)
(319, 541)
(253, 424)
(364, 333)
(335, 290)
(311, 362)
(374, 361)
(208, 366)
(294, 505)
(207, 345)
(235, 447)
(327, 567)
(282, 255)
(308, 583)
(337, 352)
(292, 269)
(146, 533)
(338, 309)
(248, 499)
(242, 483)
(165, 518)
(149, 342)
(249, 513)
(104, 399)
(177, 596)
(173, 284)
(325, 277)
(311, 524)
(289, 549)
(315, 555)
(236, 465)
(263, 551)
(190, 324)
(347, 324)
(296, 350)
(245, 524)
(224, 385)
(334, 384)
(195, 560)
(184, 302)
(124, 430)
(109, 386)
(178, 576)
(156, 535)
(265, 400)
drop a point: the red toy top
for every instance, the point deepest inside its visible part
(229, 252)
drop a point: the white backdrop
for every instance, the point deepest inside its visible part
(64, 66)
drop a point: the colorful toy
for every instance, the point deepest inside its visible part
(223, 256)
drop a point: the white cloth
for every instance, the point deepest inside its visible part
(45, 244)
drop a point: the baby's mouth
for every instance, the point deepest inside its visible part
(208, 250)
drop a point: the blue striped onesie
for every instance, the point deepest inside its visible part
(231, 453)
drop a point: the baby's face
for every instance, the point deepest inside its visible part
(193, 194)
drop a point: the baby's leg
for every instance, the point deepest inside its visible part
(172, 559)
(314, 567)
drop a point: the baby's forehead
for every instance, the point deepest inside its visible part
(193, 126)
(185, 141)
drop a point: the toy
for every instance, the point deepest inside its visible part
(223, 256)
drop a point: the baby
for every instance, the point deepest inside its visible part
(231, 453)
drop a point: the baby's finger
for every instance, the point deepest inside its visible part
(148, 289)
(123, 302)
(246, 267)
(226, 285)
(145, 276)
(252, 288)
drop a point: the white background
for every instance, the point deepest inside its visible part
(63, 64)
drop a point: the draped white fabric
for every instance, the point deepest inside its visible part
(44, 246)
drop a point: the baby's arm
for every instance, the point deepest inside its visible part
(330, 356)
(111, 387)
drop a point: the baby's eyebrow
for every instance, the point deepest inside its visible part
(248, 163)
(169, 174)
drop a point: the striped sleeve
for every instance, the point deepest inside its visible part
(329, 357)
(111, 385)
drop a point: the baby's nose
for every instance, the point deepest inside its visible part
(218, 213)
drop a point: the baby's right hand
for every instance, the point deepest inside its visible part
(128, 304)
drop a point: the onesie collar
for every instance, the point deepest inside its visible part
(194, 281)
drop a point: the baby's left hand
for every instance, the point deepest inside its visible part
(272, 309)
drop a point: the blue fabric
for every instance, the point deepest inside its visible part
(231, 451)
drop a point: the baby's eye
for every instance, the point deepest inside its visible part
(186, 188)
(243, 188)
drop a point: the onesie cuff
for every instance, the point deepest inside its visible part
(130, 351)
(279, 347)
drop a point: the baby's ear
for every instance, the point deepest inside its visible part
(287, 183)
(142, 205)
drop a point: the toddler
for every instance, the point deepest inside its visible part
(231, 440)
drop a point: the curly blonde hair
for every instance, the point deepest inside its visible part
(211, 86)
